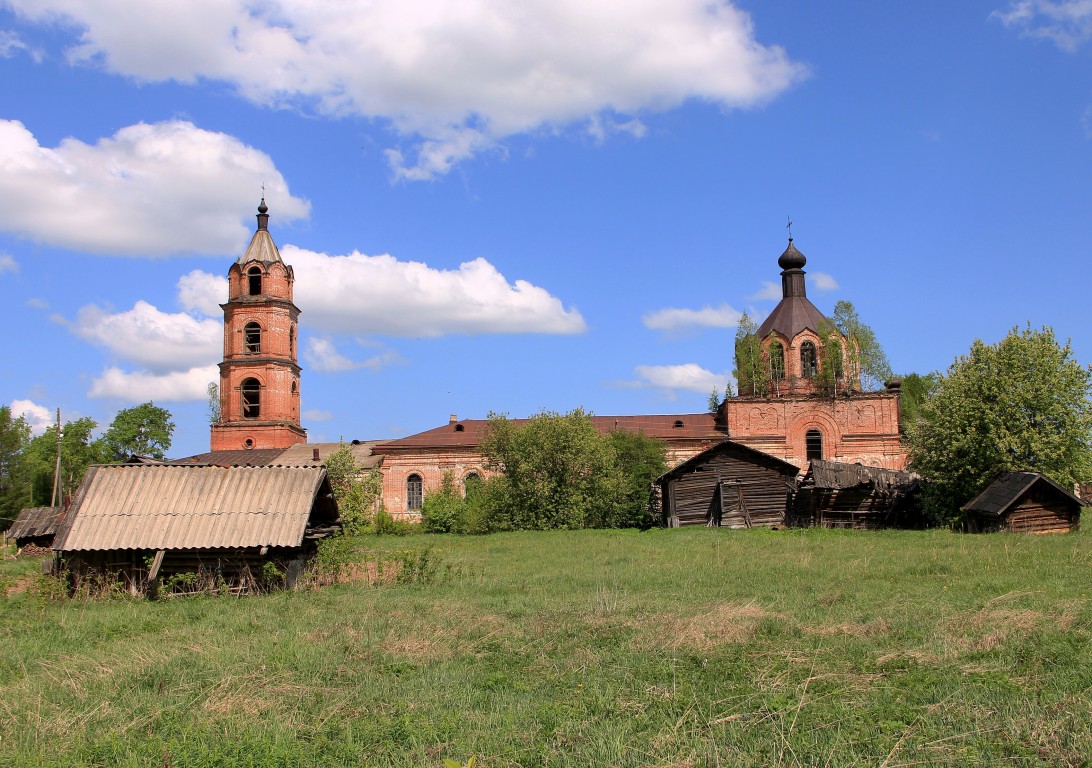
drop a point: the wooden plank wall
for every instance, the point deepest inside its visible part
(713, 490)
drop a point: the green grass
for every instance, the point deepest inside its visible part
(694, 647)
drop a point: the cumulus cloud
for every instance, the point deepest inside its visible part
(671, 378)
(148, 190)
(38, 417)
(316, 415)
(202, 293)
(158, 341)
(450, 78)
(722, 316)
(823, 282)
(770, 291)
(142, 386)
(322, 355)
(381, 295)
(1066, 23)
(11, 44)
(8, 264)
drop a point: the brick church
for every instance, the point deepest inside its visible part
(791, 420)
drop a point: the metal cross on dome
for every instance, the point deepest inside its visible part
(788, 226)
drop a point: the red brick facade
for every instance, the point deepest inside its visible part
(260, 376)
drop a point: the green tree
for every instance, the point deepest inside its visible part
(356, 489)
(713, 404)
(863, 351)
(752, 378)
(1020, 404)
(213, 392)
(143, 430)
(916, 390)
(444, 511)
(557, 471)
(15, 478)
(79, 450)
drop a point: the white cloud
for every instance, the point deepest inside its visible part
(1066, 23)
(37, 303)
(158, 341)
(148, 190)
(142, 386)
(723, 316)
(37, 416)
(453, 78)
(202, 293)
(688, 376)
(323, 356)
(8, 264)
(823, 282)
(381, 295)
(316, 415)
(11, 44)
(770, 291)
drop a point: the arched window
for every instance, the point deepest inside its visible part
(414, 492)
(252, 398)
(807, 359)
(813, 444)
(777, 361)
(292, 340)
(472, 485)
(252, 338)
(254, 280)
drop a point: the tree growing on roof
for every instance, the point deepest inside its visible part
(752, 378)
(863, 351)
(1020, 404)
(143, 430)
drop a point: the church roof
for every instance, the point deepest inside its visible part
(792, 315)
(469, 433)
(261, 248)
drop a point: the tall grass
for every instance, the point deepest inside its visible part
(694, 647)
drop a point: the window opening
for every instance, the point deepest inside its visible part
(678, 424)
(292, 340)
(252, 398)
(459, 428)
(252, 338)
(254, 278)
(414, 492)
(472, 484)
(777, 361)
(807, 359)
(813, 444)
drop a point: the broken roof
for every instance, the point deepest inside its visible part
(35, 521)
(837, 475)
(178, 507)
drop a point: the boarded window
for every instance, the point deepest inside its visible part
(254, 280)
(252, 338)
(813, 444)
(252, 398)
(414, 492)
(777, 361)
(807, 359)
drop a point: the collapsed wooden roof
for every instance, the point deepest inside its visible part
(190, 507)
(1008, 489)
(836, 475)
(33, 522)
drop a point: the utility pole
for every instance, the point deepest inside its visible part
(55, 500)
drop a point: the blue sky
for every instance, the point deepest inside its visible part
(515, 206)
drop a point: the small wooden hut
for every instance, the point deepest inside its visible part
(838, 495)
(199, 526)
(729, 485)
(34, 528)
(1024, 502)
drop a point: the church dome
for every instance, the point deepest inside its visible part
(791, 258)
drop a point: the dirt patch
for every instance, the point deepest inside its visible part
(723, 625)
(20, 586)
(851, 629)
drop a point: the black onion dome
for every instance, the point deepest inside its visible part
(263, 208)
(791, 258)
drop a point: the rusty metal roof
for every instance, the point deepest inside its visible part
(301, 455)
(180, 507)
(1009, 488)
(469, 433)
(35, 521)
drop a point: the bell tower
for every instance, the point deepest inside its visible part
(260, 374)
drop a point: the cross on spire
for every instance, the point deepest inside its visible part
(788, 226)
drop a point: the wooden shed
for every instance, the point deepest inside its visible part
(195, 527)
(34, 528)
(1024, 502)
(728, 484)
(838, 495)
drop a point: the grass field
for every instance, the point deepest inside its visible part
(693, 647)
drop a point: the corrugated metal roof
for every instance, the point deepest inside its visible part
(300, 455)
(179, 507)
(469, 433)
(35, 521)
(253, 457)
(1008, 489)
